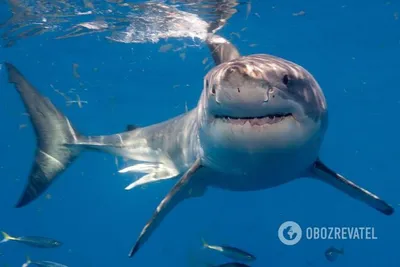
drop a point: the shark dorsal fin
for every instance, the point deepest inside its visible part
(221, 49)
(131, 127)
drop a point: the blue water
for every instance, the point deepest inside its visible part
(351, 47)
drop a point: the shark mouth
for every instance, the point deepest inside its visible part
(255, 121)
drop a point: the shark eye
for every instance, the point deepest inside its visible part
(207, 84)
(213, 90)
(285, 79)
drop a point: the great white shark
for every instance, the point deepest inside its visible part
(259, 123)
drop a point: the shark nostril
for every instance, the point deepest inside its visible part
(238, 89)
(269, 94)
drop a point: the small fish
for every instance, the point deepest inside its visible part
(235, 34)
(332, 253)
(231, 252)
(33, 241)
(300, 13)
(75, 70)
(208, 66)
(88, 4)
(232, 264)
(165, 48)
(116, 162)
(248, 9)
(42, 263)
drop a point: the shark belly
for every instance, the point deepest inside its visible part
(238, 170)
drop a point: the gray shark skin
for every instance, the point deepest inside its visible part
(256, 112)
(221, 49)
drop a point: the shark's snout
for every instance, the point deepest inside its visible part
(243, 91)
(239, 74)
(245, 70)
(239, 84)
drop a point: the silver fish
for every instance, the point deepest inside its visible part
(33, 241)
(42, 263)
(230, 252)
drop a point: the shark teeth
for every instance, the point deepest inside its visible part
(254, 121)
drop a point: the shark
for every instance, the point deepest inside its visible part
(259, 123)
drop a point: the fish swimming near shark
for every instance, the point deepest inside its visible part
(259, 123)
(29, 262)
(230, 251)
(33, 241)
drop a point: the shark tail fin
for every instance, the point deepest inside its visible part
(53, 133)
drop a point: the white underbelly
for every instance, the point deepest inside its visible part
(247, 172)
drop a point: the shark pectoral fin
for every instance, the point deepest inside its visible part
(221, 49)
(155, 172)
(181, 191)
(149, 178)
(323, 173)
